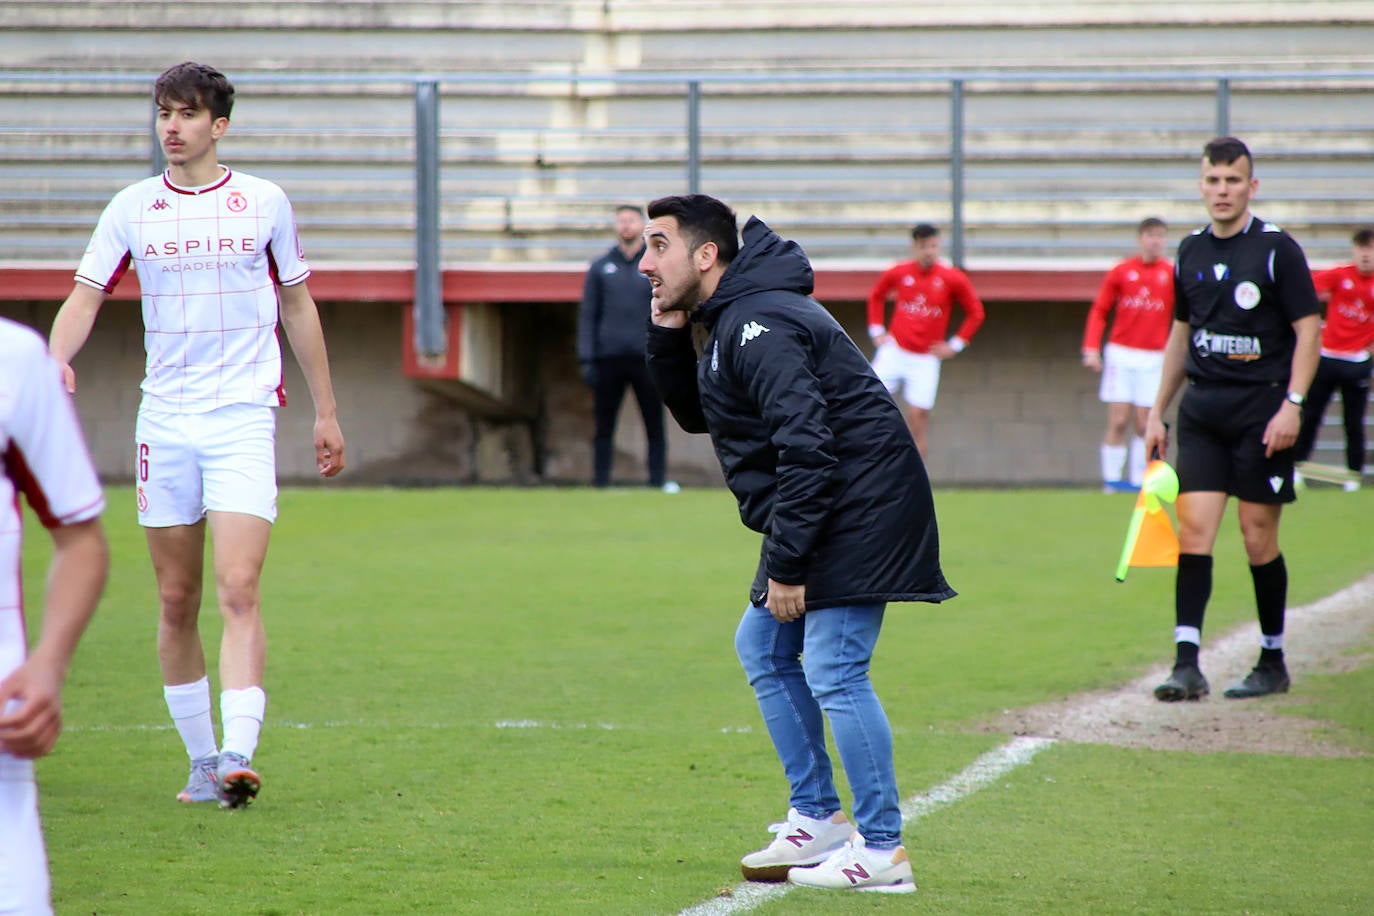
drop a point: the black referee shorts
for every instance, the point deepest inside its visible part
(1220, 428)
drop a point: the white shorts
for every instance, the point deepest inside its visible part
(221, 461)
(24, 887)
(1130, 376)
(917, 375)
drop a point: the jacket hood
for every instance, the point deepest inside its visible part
(766, 262)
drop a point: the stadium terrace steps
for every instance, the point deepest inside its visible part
(529, 167)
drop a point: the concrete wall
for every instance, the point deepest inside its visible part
(1016, 407)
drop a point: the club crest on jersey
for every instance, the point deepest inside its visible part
(1247, 295)
(236, 202)
(750, 331)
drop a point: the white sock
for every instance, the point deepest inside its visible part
(1137, 461)
(1113, 457)
(1188, 634)
(1271, 642)
(189, 705)
(242, 712)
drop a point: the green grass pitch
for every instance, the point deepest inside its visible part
(527, 701)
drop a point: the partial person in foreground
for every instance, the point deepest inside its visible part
(43, 458)
(1139, 295)
(219, 263)
(610, 348)
(1244, 345)
(1346, 348)
(911, 349)
(822, 465)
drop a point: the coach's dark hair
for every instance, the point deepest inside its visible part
(195, 84)
(922, 231)
(1150, 222)
(1363, 236)
(634, 208)
(1226, 150)
(702, 219)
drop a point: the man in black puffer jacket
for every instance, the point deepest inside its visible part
(820, 460)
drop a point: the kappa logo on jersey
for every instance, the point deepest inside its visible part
(236, 202)
(1231, 346)
(750, 331)
(159, 204)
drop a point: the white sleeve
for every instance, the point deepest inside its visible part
(285, 251)
(48, 458)
(107, 256)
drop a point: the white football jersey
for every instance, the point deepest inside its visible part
(208, 261)
(43, 456)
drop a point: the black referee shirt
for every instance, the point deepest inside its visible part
(1241, 296)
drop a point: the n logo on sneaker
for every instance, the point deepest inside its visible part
(856, 874)
(799, 838)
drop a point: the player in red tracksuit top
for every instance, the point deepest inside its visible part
(1347, 342)
(910, 350)
(1141, 290)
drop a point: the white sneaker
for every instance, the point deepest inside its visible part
(1351, 486)
(800, 841)
(853, 867)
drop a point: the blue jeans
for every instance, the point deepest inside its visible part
(820, 664)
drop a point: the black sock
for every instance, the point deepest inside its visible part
(1185, 653)
(1192, 589)
(1271, 602)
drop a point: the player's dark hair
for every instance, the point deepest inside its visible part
(922, 231)
(1226, 150)
(634, 208)
(701, 219)
(191, 83)
(1363, 236)
(1150, 222)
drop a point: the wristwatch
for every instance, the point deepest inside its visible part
(1295, 398)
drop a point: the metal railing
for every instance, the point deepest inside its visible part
(969, 152)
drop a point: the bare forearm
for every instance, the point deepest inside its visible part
(1172, 373)
(1306, 354)
(301, 320)
(76, 578)
(72, 325)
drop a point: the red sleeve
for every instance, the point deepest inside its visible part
(877, 297)
(1325, 280)
(1097, 315)
(971, 304)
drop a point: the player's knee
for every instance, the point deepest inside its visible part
(179, 602)
(238, 594)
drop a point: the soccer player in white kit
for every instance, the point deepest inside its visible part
(43, 457)
(218, 260)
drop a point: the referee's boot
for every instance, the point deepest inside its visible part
(1185, 682)
(1264, 679)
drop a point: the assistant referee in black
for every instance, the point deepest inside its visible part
(1245, 339)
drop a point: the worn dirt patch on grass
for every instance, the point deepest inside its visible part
(1318, 640)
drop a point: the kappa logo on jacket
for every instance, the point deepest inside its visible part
(750, 331)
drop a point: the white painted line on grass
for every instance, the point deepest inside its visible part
(984, 771)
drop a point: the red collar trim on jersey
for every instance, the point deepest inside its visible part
(224, 179)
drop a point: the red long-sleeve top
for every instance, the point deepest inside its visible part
(923, 304)
(1143, 296)
(1349, 326)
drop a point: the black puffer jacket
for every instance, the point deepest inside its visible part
(812, 445)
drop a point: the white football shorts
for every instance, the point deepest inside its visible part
(915, 375)
(24, 886)
(224, 460)
(1130, 376)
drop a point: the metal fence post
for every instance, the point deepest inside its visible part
(157, 160)
(1223, 107)
(430, 339)
(694, 137)
(956, 172)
